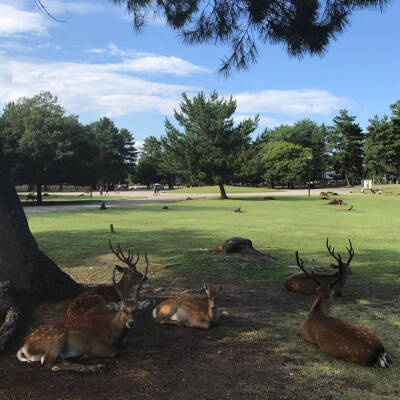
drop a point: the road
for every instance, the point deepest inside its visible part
(146, 196)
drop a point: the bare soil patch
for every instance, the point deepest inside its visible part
(167, 362)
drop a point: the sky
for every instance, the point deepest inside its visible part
(97, 65)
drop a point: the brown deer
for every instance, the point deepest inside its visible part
(337, 202)
(91, 335)
(336, 337)
(301, 283)
(101, 298)
(190, 311)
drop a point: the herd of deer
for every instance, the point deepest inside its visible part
(97, 320)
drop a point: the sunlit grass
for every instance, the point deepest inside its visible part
(79, 197)
(228, 189)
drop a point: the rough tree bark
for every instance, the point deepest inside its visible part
(27, 275)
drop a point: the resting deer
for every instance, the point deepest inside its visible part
(336, 337)
(190, 311)
(301, 282)
(101, 298)
(90, 335)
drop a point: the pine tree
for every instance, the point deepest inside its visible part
(210, 144)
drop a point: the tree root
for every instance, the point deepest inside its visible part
(9, 312)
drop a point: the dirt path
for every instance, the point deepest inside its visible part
(146, 196)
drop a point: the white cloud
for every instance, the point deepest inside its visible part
(22, 18)
(148, 62)
(15, 21)
(264, 121)
(15, 46)
(161, 64)
(290, 102)
(101, 89)
(139, 145)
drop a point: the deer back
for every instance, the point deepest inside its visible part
(340, 339)
(336, 337)
(301, 283)
(189, 310)
(98, 335)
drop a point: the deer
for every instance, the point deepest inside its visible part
(104, 298)
(190, 311)
(301, 283)
(335, 337)
(84, 336)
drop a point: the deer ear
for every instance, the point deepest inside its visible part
(334, 266)
(219, 290)
(112, 306)
(143, 304)
(206, 287)
(119, 268)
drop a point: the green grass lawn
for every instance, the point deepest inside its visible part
(228, 189)
(187, 231)
(72, 198)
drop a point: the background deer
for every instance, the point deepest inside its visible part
(336, 337)
(92, 335)
(104, 298)
(190, 311)
(301, 282)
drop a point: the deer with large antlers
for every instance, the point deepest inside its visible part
(190, 311)
(90, 335)
(301, 283)
(336, 337)
(103, 298)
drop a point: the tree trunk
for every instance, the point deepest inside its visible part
(346, 176)
(39, 192)
(398, 174)
(223, 193)
(27, 275)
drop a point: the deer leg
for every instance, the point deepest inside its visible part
(69, 366)
(202, 323)
(54, 350)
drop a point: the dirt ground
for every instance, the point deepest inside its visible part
(168, 362)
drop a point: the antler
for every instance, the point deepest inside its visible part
(301, 266)
(121, 256)
(351, 252)
(116, 286)
(339, 274)
(332, 252)
(143, 278)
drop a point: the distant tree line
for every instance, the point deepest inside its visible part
(44, 146)
(208, 148)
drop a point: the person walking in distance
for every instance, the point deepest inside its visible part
(156, 189)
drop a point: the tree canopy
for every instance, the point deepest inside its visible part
(301, 26)
(210, 144)
(284, 163)
(347, 146)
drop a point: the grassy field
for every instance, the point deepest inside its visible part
(228, 189)
(72, 198)
(187, 231)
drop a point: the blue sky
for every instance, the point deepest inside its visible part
(97, 65)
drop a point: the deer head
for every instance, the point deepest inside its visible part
(213, 295)
(127, 306)
(130, 275)
(346, 265)
(324, 289)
